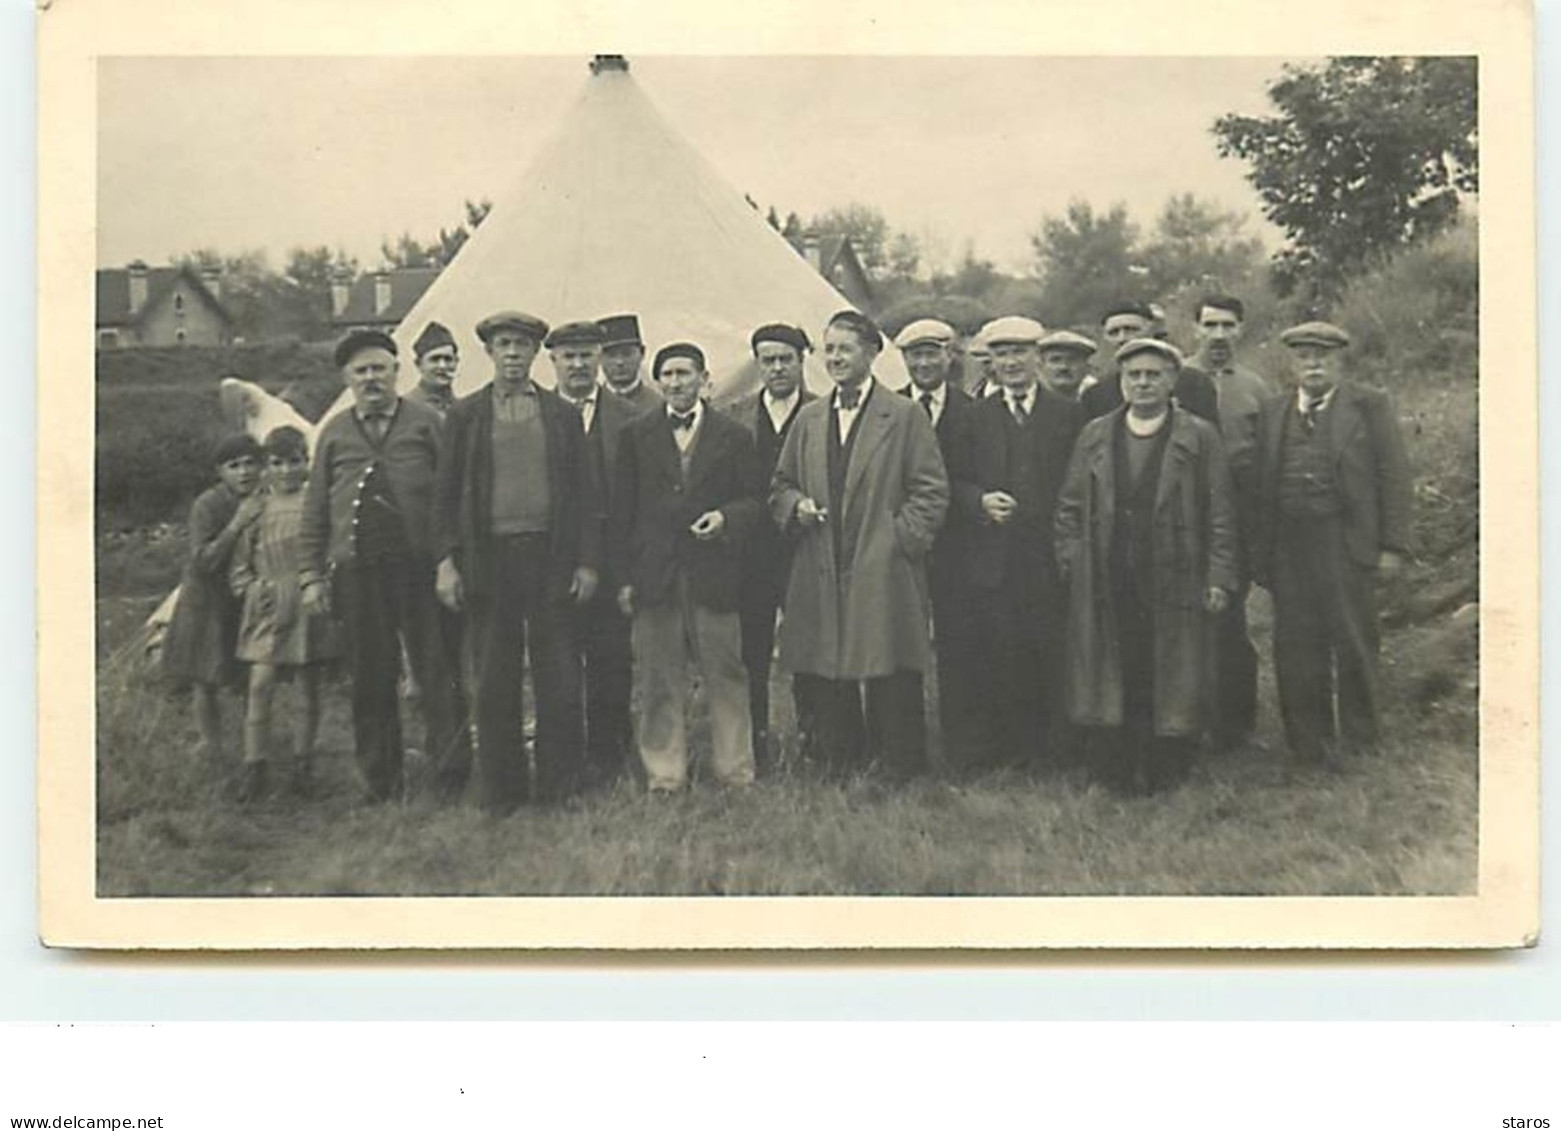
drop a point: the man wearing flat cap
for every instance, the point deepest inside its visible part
(779, 350)
(1333, 516)
(1130, 320)
(1146, 543)
(368, 548)
(601, 630)
(926, 347)
(980, 376)
(687, 502)
(518, 537)
(436, 357)
(623, 358)
(1006, 489)
(861, 488)
(1065, 364)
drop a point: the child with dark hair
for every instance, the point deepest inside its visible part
(198, 650)
(279, 638)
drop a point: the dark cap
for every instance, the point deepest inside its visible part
(860, 324)
(794, 336)
(1324, 334)
(527, 324)
(575, 334)
(235, 445)
(356, 341)
(621, 330)
(679, 349)
(435, 336)
(1128, 306)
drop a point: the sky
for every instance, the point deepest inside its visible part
(273, 153)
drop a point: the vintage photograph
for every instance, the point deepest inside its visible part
(807, 476)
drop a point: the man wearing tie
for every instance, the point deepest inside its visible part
(926, 347)
(1007, 489)
(1333, 517)
(685, 489)
(861, 487)
(778, 352)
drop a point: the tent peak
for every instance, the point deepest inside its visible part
(609, 63)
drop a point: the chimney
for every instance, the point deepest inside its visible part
(810, 249)
(381, 292)
(341, 288)
(211, 276)
(137, 271)
(609, 63)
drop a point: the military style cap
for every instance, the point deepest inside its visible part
(924, 330)
(1067, 340)
(1013, 328)
(435, 336)
(1150, 345)
(621, 329)
(576, 334)
(794, 336)
(527, 324)
(679, 349)
(356, 341)
(1316, 334)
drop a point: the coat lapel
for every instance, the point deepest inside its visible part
(1344, 418)
(1179, 448)
(872, 428)
(706, 448)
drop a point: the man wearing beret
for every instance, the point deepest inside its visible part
(778, 353)
(686, 492)
(1065, 364)
(860, 486)
(436, 357)
(1333, 517)
(1129, 320)
(623, 357)
(1006, 490)
(518, 537)
(926, 348)
(367, 543)
(601, 629)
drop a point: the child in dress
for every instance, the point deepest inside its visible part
(277, 636)
(198, 649)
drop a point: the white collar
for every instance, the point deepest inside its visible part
(630, 391)
(1026, 398)
(697, 412)
(772, 402)
(866, 386)
(1302, 400)
(1145, 428)
(939, 394)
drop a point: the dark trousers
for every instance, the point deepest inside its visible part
(1325, 637)
(381, 605)
(957, 638)
(759, 605)
(849, 726)
(1132, 758)
(512, 616)
(1019, 722)
(1236, 668)
(602, 633)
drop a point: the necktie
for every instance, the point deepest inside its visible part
(378, 425)
(850, 398)
(1016, 406)
(1309, 412)
(587, 413)
(926, 403)
(682, 421)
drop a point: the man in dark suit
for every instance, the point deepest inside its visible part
(1333, 516)
(926, 348)
(1124, 322)
(778, 352)
(686, 492)
(601, 630)
(518, 536)
(1007, 488)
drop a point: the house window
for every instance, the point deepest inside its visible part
(108, 339)
(178, 304)
(178, 336)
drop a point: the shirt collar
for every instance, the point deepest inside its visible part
(697, 412)
(939, 394)
(866, 387)
(632, 388)
(774, 402)
(1302, 400)
(503, 392)
(1026, 398)
(384, 414)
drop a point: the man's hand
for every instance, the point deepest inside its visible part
(317, 598)
(708, 526)
(1215, 599)
(447, 585)
(1389, 565)
(809, 514)
(998, 506)
(583, 585)
(626, 600)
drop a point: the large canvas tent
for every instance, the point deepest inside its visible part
(617, 213)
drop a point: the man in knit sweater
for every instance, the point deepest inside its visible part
(367, 549)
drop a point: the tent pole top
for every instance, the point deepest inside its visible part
(609, 63)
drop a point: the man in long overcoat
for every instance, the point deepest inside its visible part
(862, 487)
(1146, 538)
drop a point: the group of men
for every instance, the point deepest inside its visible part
(1073, 552)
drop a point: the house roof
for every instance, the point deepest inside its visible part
(407, 285)
(113, 294)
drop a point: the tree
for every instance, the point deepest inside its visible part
(405, 251)
(1085, 260)
(1365, 156)
(867, 230)
(1198, 244)
(308, 275)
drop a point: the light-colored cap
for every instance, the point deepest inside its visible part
(1067, 340)
(1316, 334)
(924, 330)
(1149, 345)
(1013, 328)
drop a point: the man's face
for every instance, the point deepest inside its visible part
(1018, 364)
(576, 366)
(1063, 370)
(1121, 328)
(681, 382)
(1218, 332)
(512, 353)
(1318, 368)
(241, 474)
(780, 367)
(846, 359)
(371, 375)
(437, 367)
(621, 363)
(1147, 380)
(981, 361)
(928, 363)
